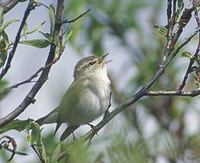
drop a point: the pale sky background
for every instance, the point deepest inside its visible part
(27, 60)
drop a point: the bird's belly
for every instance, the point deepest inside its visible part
(88, 109)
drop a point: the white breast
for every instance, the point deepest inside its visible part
(94, 99)
(100, 85)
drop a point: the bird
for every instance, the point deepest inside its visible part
(87, 98)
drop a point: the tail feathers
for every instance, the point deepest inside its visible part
(49, 118)
(57, 127)
(69, 130)
(41, 120)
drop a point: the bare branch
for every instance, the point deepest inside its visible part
(75, 19)
(173, 93)
(44, 75)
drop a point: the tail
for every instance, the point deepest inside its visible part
(69, 130)
(49, 118)
(57, 126)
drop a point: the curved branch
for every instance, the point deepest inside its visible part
(43, 77)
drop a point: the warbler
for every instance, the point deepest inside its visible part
(87, 98)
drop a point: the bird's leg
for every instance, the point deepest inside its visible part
(92, 128)
(109, 105)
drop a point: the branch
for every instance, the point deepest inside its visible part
(175, 52)
(44, 75)
(173, 93)
(7, 6)
(195, 56)
(30, 7)
(75, 19)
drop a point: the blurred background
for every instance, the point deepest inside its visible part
(153, 130)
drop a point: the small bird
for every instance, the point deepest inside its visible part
(87, 98)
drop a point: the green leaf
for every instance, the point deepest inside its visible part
(56, 154)
(46, 35)
(5, 38)
(80, 149)
(38, 43)
(1, 16)
(161, 29)
(42, 151)
(180, 4)
(3, 56)
(35, 133)
(68, 36)
(186, 54)
(35, 1)
(3, 90)
(17, 124)
(4, 44)
(6, 24)
(52, 17)
(26, 32)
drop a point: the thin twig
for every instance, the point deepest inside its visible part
(175, 52)
(185, 18)
(194, 57)
(75, 19)
(30, 7)
(173, 93)
(11, 150)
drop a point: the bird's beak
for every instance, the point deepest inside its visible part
(102, 59)
(104, 56)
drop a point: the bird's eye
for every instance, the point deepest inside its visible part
(92, 62)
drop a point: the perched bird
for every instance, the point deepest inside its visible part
(87, 98)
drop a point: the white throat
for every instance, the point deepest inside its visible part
(101, 74)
